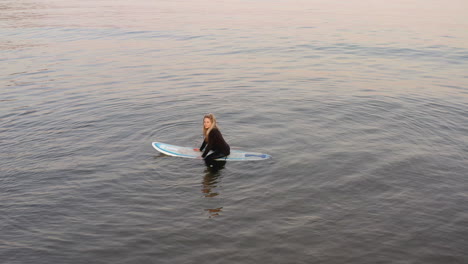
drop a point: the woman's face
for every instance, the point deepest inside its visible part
(207, 123)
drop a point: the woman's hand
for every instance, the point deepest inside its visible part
(196, 149)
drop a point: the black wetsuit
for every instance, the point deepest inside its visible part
(217, 144)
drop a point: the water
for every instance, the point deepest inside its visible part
(363, 106)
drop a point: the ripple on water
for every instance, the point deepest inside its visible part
(368, 136)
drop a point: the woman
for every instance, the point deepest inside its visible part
(213, 141)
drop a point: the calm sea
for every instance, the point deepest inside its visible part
(363, 105)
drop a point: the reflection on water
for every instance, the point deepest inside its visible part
(210, 183)
(214, 212)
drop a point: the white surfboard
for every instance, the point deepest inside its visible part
(187, 152)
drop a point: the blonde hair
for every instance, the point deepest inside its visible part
(206, 131)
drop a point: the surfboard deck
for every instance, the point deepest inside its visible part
(188, 152)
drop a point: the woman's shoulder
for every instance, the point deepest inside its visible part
(215, 130)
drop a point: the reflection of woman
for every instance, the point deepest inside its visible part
(213, 141)
(210, 182)
(210, 186)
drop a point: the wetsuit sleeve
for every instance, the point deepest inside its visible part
(203, 145)
(205, 152)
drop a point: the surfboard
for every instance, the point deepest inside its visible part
(188, 152)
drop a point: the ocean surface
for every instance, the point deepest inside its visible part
(363, 105)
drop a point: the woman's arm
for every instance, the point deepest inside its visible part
(202, 146)
(207, 149)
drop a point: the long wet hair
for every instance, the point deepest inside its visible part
(206, 131)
